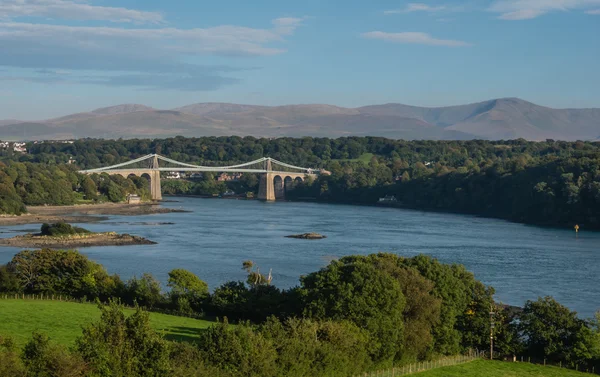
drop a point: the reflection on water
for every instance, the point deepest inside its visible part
(521, 262)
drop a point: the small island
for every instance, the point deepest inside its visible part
(307, 236)
(63, 235)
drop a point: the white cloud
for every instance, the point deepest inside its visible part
(416, 7)
(525, 14)
(593, 11)
(219, 40)
(528, 9)
(287, 25)
(149, 57)
(74, 10)
(414, 38)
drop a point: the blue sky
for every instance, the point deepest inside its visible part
(63, 56)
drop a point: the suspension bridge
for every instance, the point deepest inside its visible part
(275, 176)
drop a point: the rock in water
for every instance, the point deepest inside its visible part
(307, 236)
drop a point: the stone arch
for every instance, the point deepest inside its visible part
(279, 189)
(288, 183)
(298, 180)
(147, 176)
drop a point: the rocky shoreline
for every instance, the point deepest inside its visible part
(75, 241)
(83, 213)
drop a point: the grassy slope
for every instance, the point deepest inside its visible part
(62, 321)
(484, 368)
(365, 158)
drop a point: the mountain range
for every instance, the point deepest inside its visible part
(505, 118)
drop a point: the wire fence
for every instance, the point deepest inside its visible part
(84, 300)
(22, 296)
(420, 367)
(580, 367)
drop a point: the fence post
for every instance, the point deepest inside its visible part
(560, 364)
(521, 358)
(529, 360)
(544, 362)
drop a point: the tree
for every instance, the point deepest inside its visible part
(43, 359)
(354, 290)
(117, 345)
(89, 188)
(9, 281)
(551, 331)
(10, 362)
(187, 290)
(145, 291)
(64, 272)
(239, 350)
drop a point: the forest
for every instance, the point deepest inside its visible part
(358, 313)
(34, 184)
(553, 183)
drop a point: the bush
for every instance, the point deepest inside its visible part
(61, 229)
(124, 346)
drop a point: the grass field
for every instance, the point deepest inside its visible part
(62, 321)
(365, 158)
(486, 368)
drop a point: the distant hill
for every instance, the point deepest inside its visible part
(505, 118)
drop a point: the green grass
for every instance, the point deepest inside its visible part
(486, 368)
(365, 158)
(62, 321)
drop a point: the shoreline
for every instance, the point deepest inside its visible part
(81, 240)
(83, 213)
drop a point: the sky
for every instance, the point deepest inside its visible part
(59, 57)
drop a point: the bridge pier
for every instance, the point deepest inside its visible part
(154, 175)
(272, 186)
(266, 187)
(155, 189)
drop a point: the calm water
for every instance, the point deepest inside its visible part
(521, 262)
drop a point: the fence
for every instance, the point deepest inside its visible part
(419, 367)
(22, 296)
(580, 367)
(84, 300)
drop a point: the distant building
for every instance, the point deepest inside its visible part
(388, 199)
(229, 193)
(225, 177)
(174, 175)
(71, 161)
(19, 147)
(133, 199)
(196, 175)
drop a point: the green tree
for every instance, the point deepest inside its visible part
(354, 290)
(120, 346)
(89, 188)
(187, 290)
(239, 350)
(553, 332)
(145, 291)
(44, 359)
(9, 280)
(64, 272)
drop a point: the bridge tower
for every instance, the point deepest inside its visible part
(266, 188)
(155, 189)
